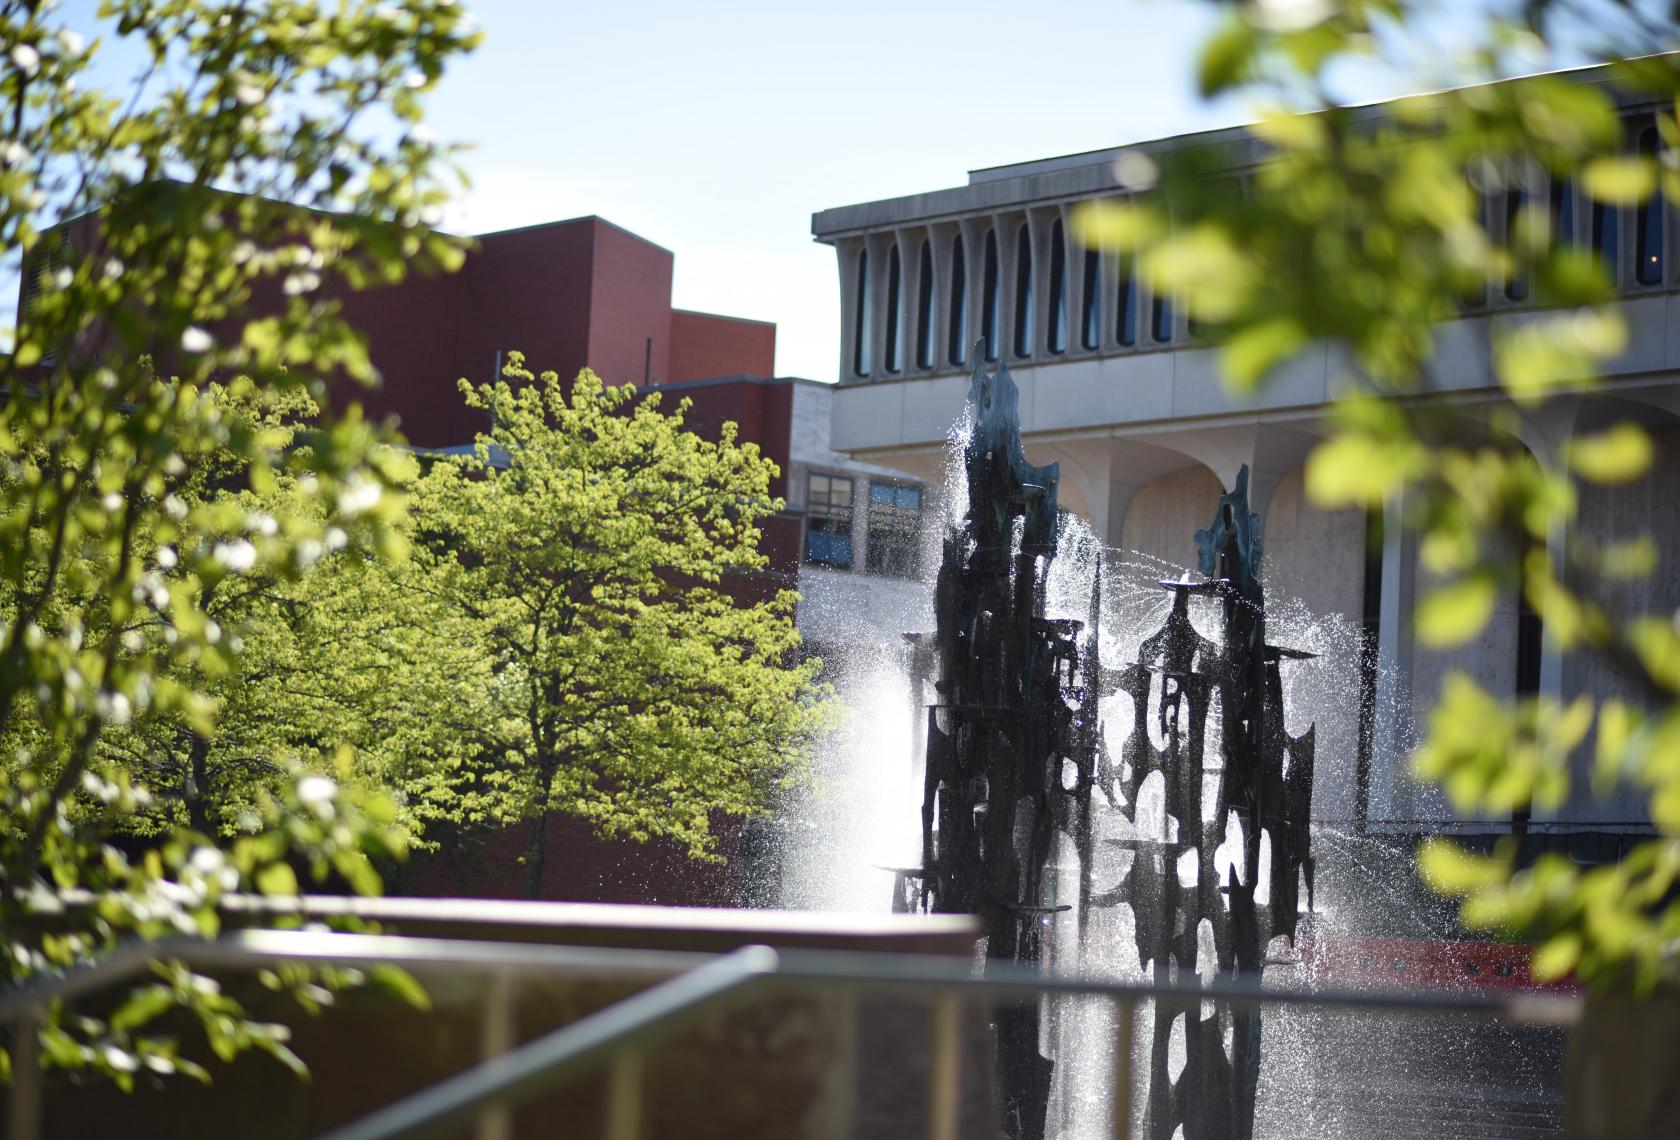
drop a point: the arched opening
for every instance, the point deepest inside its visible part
(1649, 232)
(863, 331)
(1058, 334)
(1023, 292)
(895, 334)
(989, 301)
(924, 307)
(1090, 306)
(956, 348)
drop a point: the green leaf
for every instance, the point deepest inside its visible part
(401, 984)
(1622, 180)
(1225, 57)
(277, 879)
(1453, 614)
(1251, 353)
(1451, 870)
(1619, 454)
(1557, 957)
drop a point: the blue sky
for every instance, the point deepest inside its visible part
(717, 130)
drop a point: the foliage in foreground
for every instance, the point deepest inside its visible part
(1371, 233)
(145, 219)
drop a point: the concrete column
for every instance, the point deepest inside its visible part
(846, 255)
(879, 246)
(1008, 244)
(940, 241)
(1039, 225)
(974, 265)
(1390, 746)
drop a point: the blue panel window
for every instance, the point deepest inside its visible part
(1161, 319)
(1606, 238)
(864, 332)
(1126, 323)
(1649, 231)
(895, 530)
(1563, 211)
(828, 520)
(956, 347)
(1516, 201)
(1090, 308)
(990, 313)
(1058, 336)
(1024, 313)
(895, 334)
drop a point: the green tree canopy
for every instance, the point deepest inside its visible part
(266, 147)
(588, 540)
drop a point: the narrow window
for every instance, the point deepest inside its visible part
(1023, 292)
(1516, 201)
(1650, 226)
(895, 335)
(895, 530)
(1605, 238)
(828, 520)
(1090, 307)
(1058, 290)
(956, 348)
(989, 311)
(864, 331)
(1161, 319)
(1126, 304)
(1563, 211)
(924, 307)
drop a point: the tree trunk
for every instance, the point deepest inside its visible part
(198, 786)
(535, 843)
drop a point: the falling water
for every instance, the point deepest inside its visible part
(1323, 1074)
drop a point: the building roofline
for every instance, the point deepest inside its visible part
(984, 182)
(582, 218)
(722, 316)
(740, 378)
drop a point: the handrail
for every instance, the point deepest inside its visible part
(522, 1072)
(253, 948)
(688, 984)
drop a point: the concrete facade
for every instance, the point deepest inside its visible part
(1115, 386)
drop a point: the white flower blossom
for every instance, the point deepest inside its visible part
(28, 60)
(359, 494)
(196, 339)
(238, 556)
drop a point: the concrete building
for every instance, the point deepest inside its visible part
(1115, 386)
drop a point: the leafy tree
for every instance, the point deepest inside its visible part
(587, 539)
(1365, 231)
(332, 657)
(145, 219)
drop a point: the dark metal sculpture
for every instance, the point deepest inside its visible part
(1015, 753)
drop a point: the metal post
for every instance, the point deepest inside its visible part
(23, 1120)
(496, 1038)
(942, 1075)
(842, 1078)
(624, 1096)
(1120, 1096)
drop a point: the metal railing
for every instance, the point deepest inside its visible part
(685, 986)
